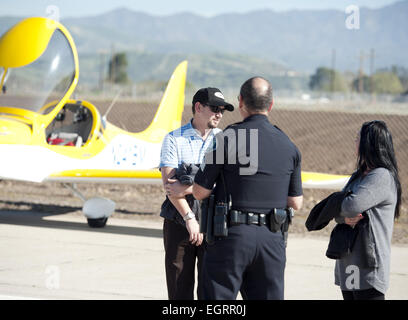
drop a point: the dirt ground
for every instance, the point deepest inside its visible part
(325, 139)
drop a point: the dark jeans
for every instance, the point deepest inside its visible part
(369, 294)
(180, 261)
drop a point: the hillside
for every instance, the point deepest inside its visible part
(230, 47)
(299, 39)
(223, 70)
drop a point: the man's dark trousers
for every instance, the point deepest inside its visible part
(251, 260)
(180, 261)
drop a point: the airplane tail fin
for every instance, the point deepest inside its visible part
(169, 113)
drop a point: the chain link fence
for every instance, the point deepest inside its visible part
(324, 131)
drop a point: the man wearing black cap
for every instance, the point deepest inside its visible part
(257, 179)
(187, 146)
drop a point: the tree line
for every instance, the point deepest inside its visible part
(393, 80)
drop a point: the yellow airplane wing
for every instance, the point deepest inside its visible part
(310, 180)
(315, 180)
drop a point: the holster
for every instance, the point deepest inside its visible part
(278, 217)
(285, 230)
(207, 218)
(203, 215)
(220, 220)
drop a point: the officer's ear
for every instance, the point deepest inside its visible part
(240, 101)
(270, 107)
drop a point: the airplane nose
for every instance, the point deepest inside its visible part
(14, 132)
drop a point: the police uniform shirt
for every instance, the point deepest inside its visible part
(276, 166)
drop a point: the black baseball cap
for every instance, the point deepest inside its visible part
(212, 97)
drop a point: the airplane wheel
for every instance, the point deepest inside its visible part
(97, 223)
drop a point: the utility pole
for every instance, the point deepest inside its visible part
(102, 69)
(112, 65)
(360, 73)
(372, 57)
(333, 66)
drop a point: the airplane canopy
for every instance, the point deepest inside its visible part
(38, 65)
(25, 42)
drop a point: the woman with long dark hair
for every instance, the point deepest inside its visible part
(372, 206)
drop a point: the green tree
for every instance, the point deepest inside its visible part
(402, 74)
(117, 72)
(326, 79)
(366, 84)
(386, 82)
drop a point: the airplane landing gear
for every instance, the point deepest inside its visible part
(96, 210)
(97, 223)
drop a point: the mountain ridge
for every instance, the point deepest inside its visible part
(294, 40)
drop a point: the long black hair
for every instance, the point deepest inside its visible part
(377, 150)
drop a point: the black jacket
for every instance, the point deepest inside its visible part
(343, 236)
(326, 210)
(185, 174)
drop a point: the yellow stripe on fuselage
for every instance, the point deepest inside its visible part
(321, 177)
(156, 174)
(309, 179)
(96, 173)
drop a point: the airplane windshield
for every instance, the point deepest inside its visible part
(2, 88)
(47, 78)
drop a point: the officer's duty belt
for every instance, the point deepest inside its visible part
(240, 217)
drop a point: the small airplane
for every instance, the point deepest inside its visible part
(46, 136)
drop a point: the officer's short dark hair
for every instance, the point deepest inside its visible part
(254, 97)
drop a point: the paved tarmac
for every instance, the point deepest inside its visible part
(60, 257)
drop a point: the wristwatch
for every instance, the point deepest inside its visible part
(189, 215)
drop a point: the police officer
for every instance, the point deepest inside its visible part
(259, 174)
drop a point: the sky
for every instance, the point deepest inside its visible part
(208, 8)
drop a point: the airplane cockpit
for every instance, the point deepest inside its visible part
(71, 127)
(35, 85)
